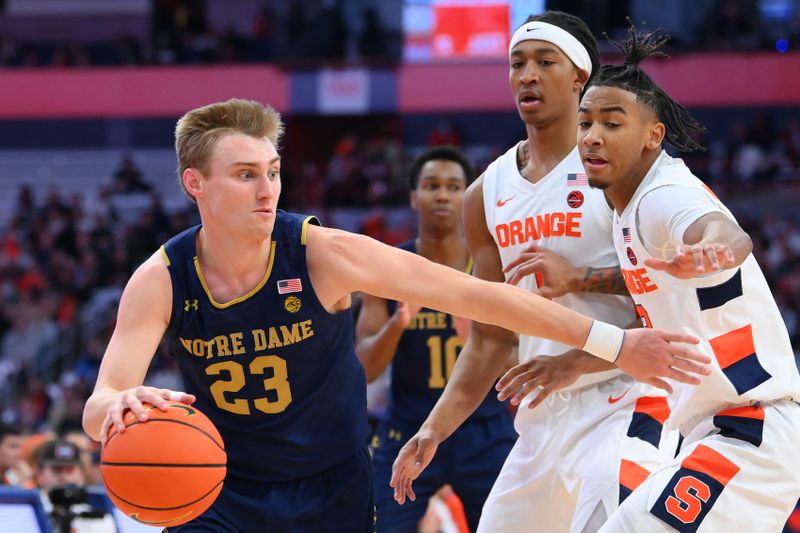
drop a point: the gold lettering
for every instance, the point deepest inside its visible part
(236, 343)
(259, 339)
(305, 327)
(274, 340)
(222, 345)
(198, 348)
(291, 337)
(186, 344)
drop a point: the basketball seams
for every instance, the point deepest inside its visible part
(152, 420)
(117, 496)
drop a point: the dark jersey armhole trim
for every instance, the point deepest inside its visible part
(309, 220)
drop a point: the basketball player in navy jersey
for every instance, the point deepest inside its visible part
(422, 345)
(254, 305)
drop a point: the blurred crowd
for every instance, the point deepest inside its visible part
(180, 32)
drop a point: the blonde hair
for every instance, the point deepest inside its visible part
(198, 131)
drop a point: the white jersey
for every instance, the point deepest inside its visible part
(732, 312)
(562, 213)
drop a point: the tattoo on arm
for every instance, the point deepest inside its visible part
(607, 280)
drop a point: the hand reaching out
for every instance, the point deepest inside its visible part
(558, 276)
(693, 260)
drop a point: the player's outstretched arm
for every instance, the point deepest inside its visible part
(342, 263)
(144, 312)
(477, 367)
(378, 333)
(711, 243)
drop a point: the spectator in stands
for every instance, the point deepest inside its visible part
(59, 474)
(10, 454)
(372, 41)
(58, 462)
(730, 25)
(128, 179)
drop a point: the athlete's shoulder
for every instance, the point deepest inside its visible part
(673, 171)
(504, 161)
(293, 227)
(180, 247)
(473, 197)
(151, 281)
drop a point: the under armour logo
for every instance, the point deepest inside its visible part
(190, 305)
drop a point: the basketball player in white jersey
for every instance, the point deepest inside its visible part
(688, 266)
(580, 451)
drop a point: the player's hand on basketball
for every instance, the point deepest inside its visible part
(413, 458)
(651, 355)
(693, 260)
(405, 312)
(133, 400)
(557, 275)
(547, 374)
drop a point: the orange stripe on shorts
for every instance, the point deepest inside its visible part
(751, 411)
(654, 406)
(733, 346)
(704, 459)
(631, 475)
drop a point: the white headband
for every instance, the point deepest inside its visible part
(542, 31)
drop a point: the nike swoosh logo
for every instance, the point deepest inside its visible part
(533, 29)
(611, 399)
(501, 203)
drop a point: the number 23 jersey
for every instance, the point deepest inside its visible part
(273, 369)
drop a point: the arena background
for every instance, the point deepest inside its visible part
(90, 91)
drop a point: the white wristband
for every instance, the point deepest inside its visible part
(604, 341)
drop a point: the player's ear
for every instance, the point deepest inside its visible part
(581, 77)
(412, 200)
(192, 181)
(655, 135)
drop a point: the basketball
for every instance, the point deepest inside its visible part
(165, 471)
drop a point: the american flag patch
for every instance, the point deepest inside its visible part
(286, 286)
(626, 234)
(577, 180)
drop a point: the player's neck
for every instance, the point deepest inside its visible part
(546, 147)
(444, 248)
(222, 255)
(623, 190)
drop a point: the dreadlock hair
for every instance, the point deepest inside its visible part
(630, 77)
(578, 29)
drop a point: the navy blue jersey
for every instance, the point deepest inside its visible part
(423, 362)
(274, 371)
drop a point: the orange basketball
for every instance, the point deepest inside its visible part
(167, 470)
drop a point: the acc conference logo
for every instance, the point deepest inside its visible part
(292, 304)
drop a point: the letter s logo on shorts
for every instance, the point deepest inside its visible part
(693, 490)
(690, 495)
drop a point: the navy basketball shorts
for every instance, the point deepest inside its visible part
(334, 500)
